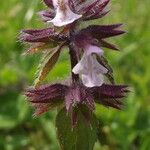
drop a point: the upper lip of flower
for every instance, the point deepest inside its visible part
(64, 15)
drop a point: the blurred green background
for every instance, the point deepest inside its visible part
(121, 130)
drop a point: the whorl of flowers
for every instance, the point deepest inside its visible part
(92, 77)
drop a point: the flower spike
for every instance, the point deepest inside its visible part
(92, 79)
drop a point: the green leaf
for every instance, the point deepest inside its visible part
(40, 47)
(82, 137)
(47, 64)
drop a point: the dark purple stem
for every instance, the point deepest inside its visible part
(74, 61)
(73, 56)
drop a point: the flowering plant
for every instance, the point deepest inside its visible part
(92, 77)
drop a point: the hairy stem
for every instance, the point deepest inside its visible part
(73, 53)
(74, 61)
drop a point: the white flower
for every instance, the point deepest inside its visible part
(64, 15)
(89, 69)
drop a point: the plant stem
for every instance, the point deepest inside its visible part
(73, 54)
(74, 61)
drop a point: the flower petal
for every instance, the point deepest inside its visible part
(91, 81)
(64, 15)
(89, 69)
(93, 49)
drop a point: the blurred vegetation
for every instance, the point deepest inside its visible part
(120, 130)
